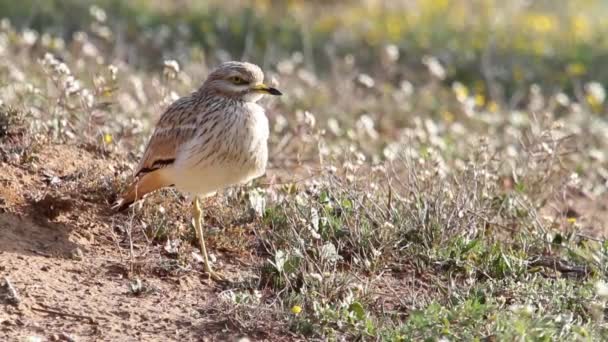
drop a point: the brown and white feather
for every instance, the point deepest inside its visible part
(213, 138)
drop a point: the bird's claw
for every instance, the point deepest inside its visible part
(215, 276)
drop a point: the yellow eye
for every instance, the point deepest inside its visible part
(237, 80)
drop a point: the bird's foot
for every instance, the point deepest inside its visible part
(215, 275)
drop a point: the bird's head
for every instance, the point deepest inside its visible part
(239, 80)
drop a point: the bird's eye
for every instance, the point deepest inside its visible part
(237, 80)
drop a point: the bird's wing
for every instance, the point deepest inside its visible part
(175, 127)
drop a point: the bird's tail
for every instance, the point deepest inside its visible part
(142, 186)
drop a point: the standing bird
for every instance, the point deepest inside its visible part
(212, 139)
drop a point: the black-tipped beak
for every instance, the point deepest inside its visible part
(274, 91)
(266, 89)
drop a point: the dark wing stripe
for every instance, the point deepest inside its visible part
(158, 164)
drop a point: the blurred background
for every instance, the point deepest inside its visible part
(436, 168)
(493, 47)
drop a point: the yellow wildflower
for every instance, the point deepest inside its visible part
(461, 91)
(107, 138)
(480, 100)
(492, 107)
(542, 23)
(576, 69)
(296, 309)
(447, 116)
(580, 27)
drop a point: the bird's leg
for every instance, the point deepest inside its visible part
(198, 227)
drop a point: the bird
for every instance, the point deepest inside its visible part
(212, 139)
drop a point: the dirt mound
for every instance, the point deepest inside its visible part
(63, 252)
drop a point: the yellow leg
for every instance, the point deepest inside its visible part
(198, 227)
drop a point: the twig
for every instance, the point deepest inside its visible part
(67, 337)
(389, 204)
(13, 295)
(128, 230)
(64, 314)
(47, 255)
(293, 181)
(588, 237)
(490, 222)
(559, 265)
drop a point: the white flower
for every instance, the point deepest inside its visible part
(98, 13)
(435, 68)
(597, 91)
(72, 85)
(601, 288)
(334, 126)
(391, 51)
(63, 69)
(90, 50)
(366, 125)
(309, 119)
(406, 87)
(30, 36)
(562, 99)
(366, 80)
(172, 66)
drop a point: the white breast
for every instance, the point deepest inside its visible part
(258, 123)
(234, 151)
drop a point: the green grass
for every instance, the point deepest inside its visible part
(482, 285)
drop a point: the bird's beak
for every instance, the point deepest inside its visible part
(262, 88)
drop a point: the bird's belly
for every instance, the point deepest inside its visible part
(236, 154)
(204, 180)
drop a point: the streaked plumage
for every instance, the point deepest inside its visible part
(211, 139)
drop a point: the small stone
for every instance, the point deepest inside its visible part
(77, 254)
(32, 339)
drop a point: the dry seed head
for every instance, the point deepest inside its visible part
(29, 37)
(171, 68)
(562, 99)
(434, 66)
(406, 88)
(596, 91)
(309, 119)
(391, 53)
(366, 80)
(98, 13)
(365, 125)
